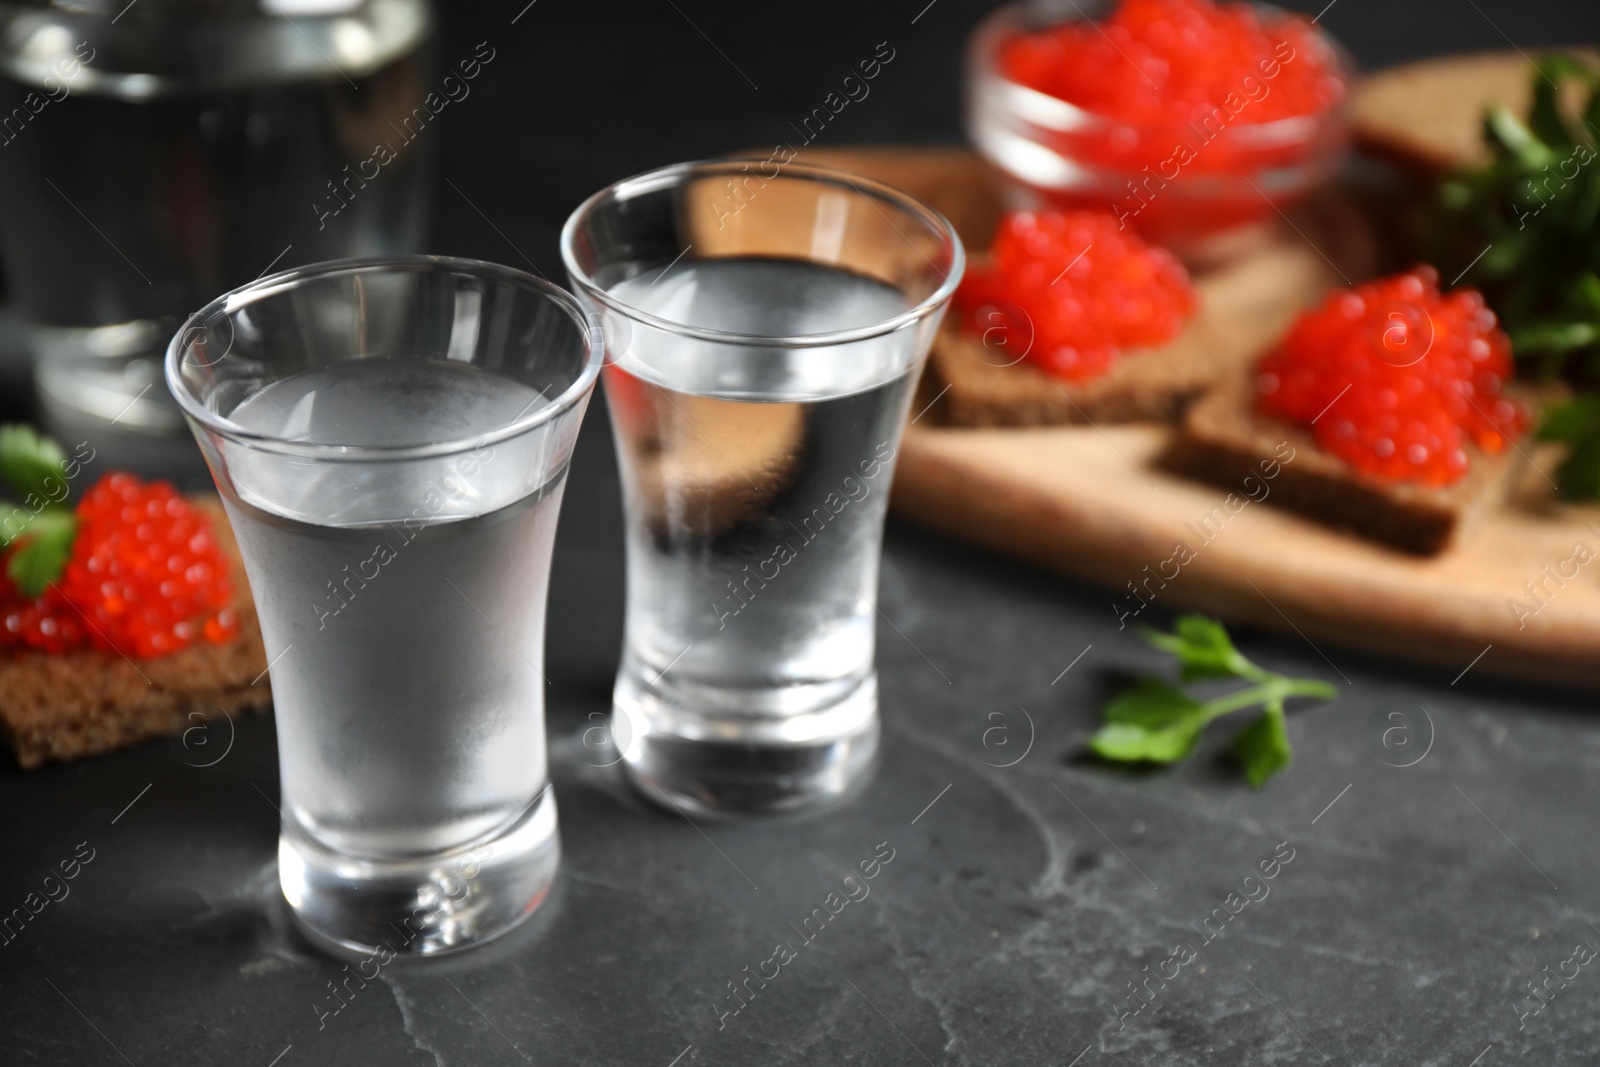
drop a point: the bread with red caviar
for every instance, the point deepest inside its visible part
(1392, 398)
(980, 378)
(68, 705)
(122, 618)
(1225, 440)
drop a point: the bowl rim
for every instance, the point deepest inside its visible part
(1057, 115)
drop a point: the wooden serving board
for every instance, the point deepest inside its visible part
(1092, 501)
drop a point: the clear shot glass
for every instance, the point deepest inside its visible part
(765, 324)
(390, 438)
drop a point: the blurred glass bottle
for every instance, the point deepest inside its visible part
(155, 153)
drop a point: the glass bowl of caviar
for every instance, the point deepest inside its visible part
(1194, 121)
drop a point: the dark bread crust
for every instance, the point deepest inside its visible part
(986, 390)
(983, 381)
(1428, 116)
(62, 707)
(1224, 440)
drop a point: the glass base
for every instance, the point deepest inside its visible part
(422, 906)
(722, 763)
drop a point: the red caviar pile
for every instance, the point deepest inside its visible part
(1170, 62)
(1396, 378)
(1072, 291)
(145, 578)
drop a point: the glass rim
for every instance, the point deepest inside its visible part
(288, 280)
(677, 173)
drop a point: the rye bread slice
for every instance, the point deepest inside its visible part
(1428, 116)
(983, 388)
(82, 703)
(1224, 440)
(981, 379)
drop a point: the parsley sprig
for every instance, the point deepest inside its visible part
(42, 525)
(1156, 722)
(1525, 229)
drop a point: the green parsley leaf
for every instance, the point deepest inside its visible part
(1511, 136)
(1570, 421)
(1203, 649)
(1125, 743)
(1555, 337)
(1263, 746)
(1153, 704)
(34, 466)
(1545, 118)
(14, 522)
(1525, 229)
(1152, 721)
(1156, 722)
(45, 547)
(1576, 422)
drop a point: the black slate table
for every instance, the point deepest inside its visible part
(1432, 850)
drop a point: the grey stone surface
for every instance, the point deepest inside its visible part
(1028, 887)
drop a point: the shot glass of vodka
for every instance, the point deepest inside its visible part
(390, 438)
(765, 328)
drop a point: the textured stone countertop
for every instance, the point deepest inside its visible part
(1022, 890)
(1025, 887)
